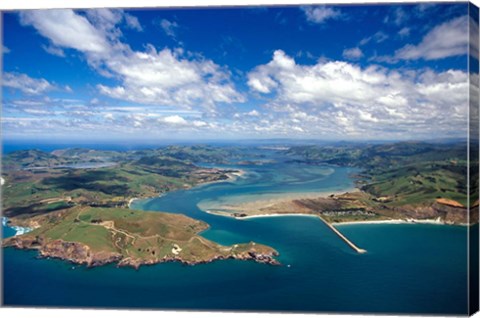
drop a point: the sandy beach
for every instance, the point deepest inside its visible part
(345, 239)
(394, 221)
(254, 205)
(276, 215)
(230, 215)
(232, 176)
(131, 201)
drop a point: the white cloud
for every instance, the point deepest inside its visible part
(253, 113)
(5, 50)
(321, 14)
(174, 119)
(447, 39)
(109, 116)
(378, 37)
(474, 40)
(363, 100)
(66, 29)
(398, 17)
(199, 123)
(404, 32)
(170, 28)
(26, 84)
(153, 77)
(165, 78)
(50, 49)
(354, 53)
(132, 22)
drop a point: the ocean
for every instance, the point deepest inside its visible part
(409, 268)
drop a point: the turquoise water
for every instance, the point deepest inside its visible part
(409, 268)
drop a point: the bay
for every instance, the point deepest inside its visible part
(409, 268)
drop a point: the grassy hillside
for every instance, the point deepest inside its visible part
(30, 192)
(404, 173)
(30, 159)
(101, 235)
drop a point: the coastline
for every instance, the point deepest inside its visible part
(232, 176)
(230, 215)
(436, 221)
(329, 225)
(387, 221)
(131, 201)
(267, 200)
(243, 210)
(19, 230)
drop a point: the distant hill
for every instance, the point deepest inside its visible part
(406, 172)
(30, 158)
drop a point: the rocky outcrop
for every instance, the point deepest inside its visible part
(265, 258)
(71, 251)
(79, 253)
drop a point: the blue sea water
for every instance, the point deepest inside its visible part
(409, 268)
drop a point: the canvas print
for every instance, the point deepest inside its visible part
(304, 158)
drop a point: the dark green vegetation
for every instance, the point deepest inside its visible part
(408, 172)
(96, 236)
(37, 182)
(30, 159)
(407, 179)
(76, 199)
(202, 153)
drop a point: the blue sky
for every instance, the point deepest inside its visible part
(325, 72)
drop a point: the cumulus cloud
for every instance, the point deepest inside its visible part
(65, 28)
(354, 53)
(447, 39)
(321, 14)
(254, 113)
(175, 120)
(166, 77)
(364, 100)
(26, 84)
(162, 77)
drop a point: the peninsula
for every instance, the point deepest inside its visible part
(98, 236)
(76, 201)
(406, 181)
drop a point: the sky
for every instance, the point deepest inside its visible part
(344, 72)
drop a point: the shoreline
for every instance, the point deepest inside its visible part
(19, 230)
(387, 221)
(329, 225)
(232, 176)
(131, 201)
(400, 221)
(227, 210)
(269, 200)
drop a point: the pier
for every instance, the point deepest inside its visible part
(346, 240)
